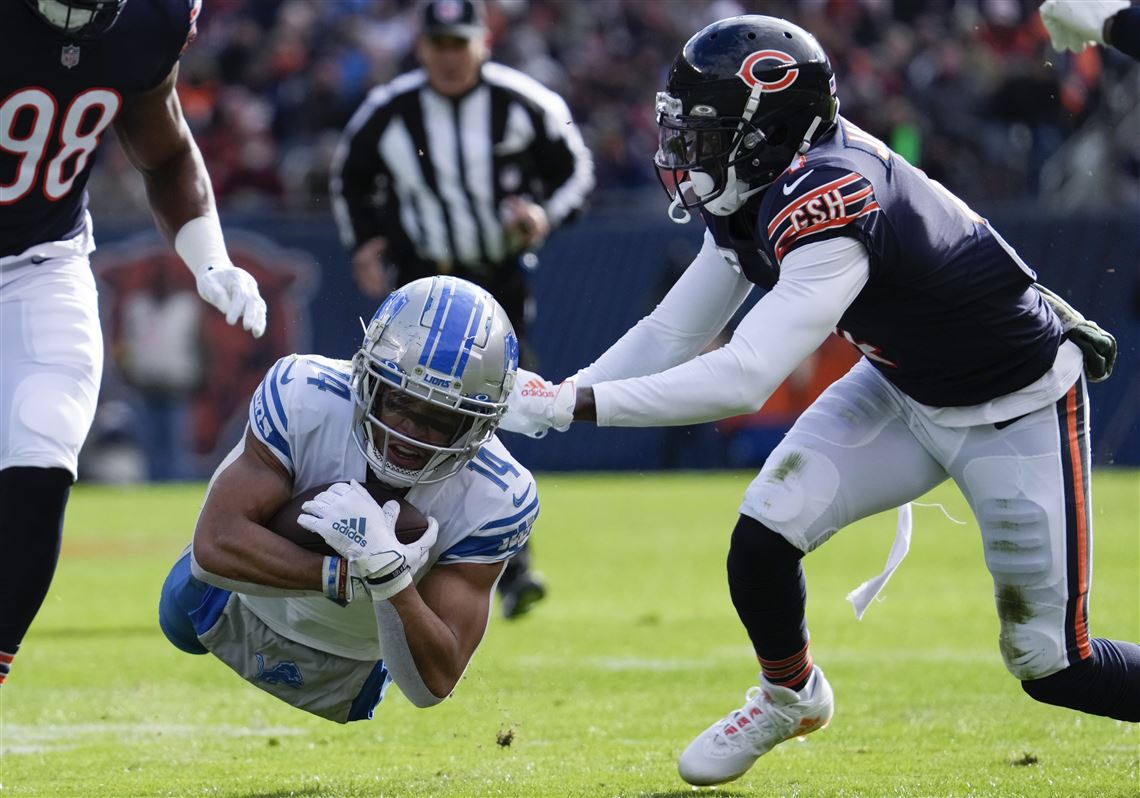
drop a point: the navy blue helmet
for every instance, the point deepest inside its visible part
(743, 97)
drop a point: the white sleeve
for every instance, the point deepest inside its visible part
(398, 656)
(695, 310)
(817, 284)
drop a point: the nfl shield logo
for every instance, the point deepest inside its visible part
(69, 55)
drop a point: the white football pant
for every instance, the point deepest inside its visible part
(51, 353)
(864, 446)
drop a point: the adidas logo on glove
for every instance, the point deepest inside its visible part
(537, 388)
(352, 528)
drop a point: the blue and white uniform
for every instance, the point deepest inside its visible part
(965, 376)
(303, 413)
(58, 99)
(305, 649)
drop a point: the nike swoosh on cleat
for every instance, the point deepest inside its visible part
(788, 189)
(518, 500)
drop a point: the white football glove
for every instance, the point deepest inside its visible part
(233, 291)
(536, 405)
(362, 532)
(1074, 24)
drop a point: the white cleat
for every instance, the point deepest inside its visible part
(770, 715)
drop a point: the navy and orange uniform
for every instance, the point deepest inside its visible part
(948, 314)
(58, 97)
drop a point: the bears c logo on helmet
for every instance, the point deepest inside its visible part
(747, 70)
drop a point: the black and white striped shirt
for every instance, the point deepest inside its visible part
(428, 172)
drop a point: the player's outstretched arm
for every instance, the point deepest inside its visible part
(690, 316)
(818, 282)
(156, 139)
(232, 549)
(429, 633)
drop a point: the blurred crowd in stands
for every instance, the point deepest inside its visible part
(969, 90)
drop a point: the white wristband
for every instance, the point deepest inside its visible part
(200, 244)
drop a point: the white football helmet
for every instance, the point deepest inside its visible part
(445, 342)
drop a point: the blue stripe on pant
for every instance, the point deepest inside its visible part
(371, 694)
(188, 606)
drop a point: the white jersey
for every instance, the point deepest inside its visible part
(302, 412)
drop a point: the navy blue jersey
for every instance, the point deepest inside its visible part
(59, 95)
(948, 314)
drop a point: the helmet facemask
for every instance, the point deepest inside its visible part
(81, 19)
(701, 157)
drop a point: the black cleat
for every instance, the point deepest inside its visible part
(520, 595)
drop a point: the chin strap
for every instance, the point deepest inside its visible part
(752, 192)
(739, 190)
(736, 191)
(684, 216)
(808, 135)
(740, 193)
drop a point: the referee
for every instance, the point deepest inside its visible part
(462, 167)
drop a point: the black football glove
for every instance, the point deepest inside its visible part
(1098, 346)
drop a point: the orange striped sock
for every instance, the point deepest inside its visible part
(791, 672)
(5, 665)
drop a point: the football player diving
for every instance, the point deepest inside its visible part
(69, 71)
(970, 371)
(416, 410)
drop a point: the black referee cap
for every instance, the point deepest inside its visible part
(460, 18)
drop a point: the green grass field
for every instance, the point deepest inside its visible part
(636, 649)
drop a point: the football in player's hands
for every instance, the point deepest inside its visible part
(410, 524)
